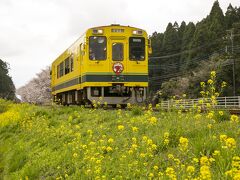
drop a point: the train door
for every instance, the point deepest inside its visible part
(118, 49)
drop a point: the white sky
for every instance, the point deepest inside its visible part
(34, 32)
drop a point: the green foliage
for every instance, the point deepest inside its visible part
(222, 115)
(7, 88)
(137, 110)
(231, 16)
(3, 105)
(186, 49)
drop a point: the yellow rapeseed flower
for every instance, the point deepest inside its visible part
(134, 139)
(236, 162)
(170, 156)
(190, 169)
(154, 146)
(166, 141)
(121, 127)
(98, 161)
(166, 135)
(210, 115)
(177, 161)
(202, 92)
(90, 132)
(223, 137)
(84, 146)
(224, 84)
(153, 120)
(216, 153)
(205, 172)
(200, 101)
(230, 143)
(110, 140)
(130, 151)
(149, 142)
(195, 160)
(202, 84)
(160, 174)
(155, 167)
(204, 161)
(220, 113)
(234, 118)
(213, 74)
(75, 155)
(198, 116)
(144, 138)
(109, 149)
(183, 144)
(142, 155)
(170, 172)
(151, 175)
(134, 146)
(134, 129)
(209, 126)
(208, 105)
(210, 81)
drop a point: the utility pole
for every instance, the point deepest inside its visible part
(233, 67)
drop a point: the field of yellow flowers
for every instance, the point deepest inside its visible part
(83, 143)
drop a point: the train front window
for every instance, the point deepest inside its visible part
(97, 48)
(136, 48)
(117, 51)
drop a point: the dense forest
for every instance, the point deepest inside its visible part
(184, 54)
(7, 88)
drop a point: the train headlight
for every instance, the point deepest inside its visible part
(97, 31)
(137, 32)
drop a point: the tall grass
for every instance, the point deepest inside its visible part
(78, 143)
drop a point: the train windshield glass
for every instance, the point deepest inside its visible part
(136, 48)
(117, 51)
(97, 48)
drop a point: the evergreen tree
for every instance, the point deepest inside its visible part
(181, 32)
(157, 40)
(238, 13)
(231, 16)
(198, 44)
(7, 88)
(208, 36)
(185, 43)
(170, 39)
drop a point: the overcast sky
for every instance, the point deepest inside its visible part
(34, 32)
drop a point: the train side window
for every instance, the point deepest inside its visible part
(58, 71)
(71, 64)
(61, 69)
(67, 67)
(137, 48)
(97, 48)
(117, 51)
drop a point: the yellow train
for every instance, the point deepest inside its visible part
(107, 64)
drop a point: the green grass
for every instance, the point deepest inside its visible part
(77, 143)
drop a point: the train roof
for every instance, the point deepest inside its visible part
(111, 25)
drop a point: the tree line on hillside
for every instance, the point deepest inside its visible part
(7, 88)
(183, 52)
